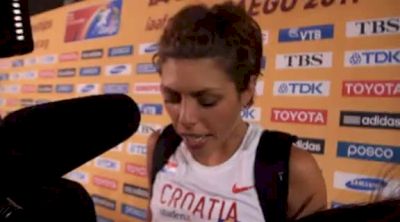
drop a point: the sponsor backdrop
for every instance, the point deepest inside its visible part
(331, 76)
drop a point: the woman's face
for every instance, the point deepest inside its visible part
(202, 101)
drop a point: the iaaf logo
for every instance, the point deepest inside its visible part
(146, 129)
(371, 88)
(366, 184)
(136, 170)
(148, 48)
(136, 191)
(382, 153)
(134, 212)
(118, 69)
(107, 163)
(305, 116)
(68, 56)
(301, 88)
(78, 176)
(152, 88)
(370, 119)
(105, 182)
(373, 27)
(307, 33)
(251, 114)
(304, 60)
(137, 149)
(316, 146)
(103, 202)
(88, 88)
(375, 57)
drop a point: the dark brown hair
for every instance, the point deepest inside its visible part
(224, 32)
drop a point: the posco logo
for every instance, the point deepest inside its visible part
(373, 152)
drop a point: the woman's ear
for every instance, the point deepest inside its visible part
(248, 95)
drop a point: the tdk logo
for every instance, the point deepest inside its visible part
(78, 176)
(378, 57)
(372, 152)
(136, 191)
(64, 88)
(370, 119)
(109, 88)
(307, 33)
(251, 114)
(67, 72)
(90, 71)
(301, 88)
(137, 149)
(103, 202)
(151, 109)
(119, 69)
(373, 27)
(120, 51)
(134, 212)
(316, 146)
(304, 60)
(146, 68)
(107, 163)
(88, 88)
(148, 48)
(92, 54)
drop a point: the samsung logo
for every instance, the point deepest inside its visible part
(88, 88)
(148, 48)
(90, 71)
(118, 69)
(120, 51)
(109, 88)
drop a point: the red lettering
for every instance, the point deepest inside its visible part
(213, 201)
(191, 201)
(254, 5)
(199, 207)
(162, 201)
(221, 211)
(176, 195)
(232, 213)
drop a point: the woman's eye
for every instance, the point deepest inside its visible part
(208, 102)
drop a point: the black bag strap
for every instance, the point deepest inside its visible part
(167, 143)
(271, 171)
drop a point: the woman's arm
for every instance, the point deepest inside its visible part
(307, 190)
(151, 143)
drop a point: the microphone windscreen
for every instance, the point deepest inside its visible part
(46, 141)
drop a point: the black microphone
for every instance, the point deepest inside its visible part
(44, 142)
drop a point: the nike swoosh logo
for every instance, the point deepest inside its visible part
(237, 189)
